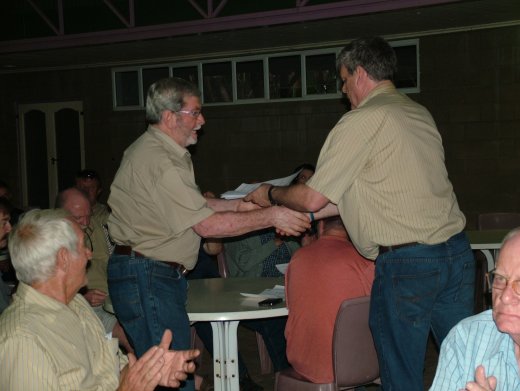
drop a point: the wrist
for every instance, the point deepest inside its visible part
(270, 195)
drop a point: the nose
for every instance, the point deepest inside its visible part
(201, 120)
(508, 295)
(8, 227)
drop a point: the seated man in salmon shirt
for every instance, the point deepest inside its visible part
(319, 278)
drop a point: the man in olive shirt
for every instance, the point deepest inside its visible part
(49, 337)
(159, 215)
(382, 168)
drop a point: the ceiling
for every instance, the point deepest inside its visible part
(409, 21)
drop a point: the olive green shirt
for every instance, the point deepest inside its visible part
(155, 201)
(383, 165)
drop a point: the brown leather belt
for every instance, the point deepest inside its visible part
(127, 250)
(385, 249)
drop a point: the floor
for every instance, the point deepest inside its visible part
(248, 348)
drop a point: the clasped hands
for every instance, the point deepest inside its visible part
(158, 366)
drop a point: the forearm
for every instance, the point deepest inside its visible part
(221, 205)
(327, 211)
(225, 224)
(299, 197)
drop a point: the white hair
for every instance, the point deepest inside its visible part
(35, 241)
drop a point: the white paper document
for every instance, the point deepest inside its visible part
(282, 267)
(278, 291)
(246, 188)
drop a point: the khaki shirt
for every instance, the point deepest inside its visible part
(47, 345)
(97, 270)
(155, 201)
(383, 165)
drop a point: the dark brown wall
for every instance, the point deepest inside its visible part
(470, 81)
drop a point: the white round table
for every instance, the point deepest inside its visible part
(218, 301)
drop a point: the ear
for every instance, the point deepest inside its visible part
(361, 73)
(62, 260)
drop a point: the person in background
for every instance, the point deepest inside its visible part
(95, 292)
(89, 182)
(158, 216)
(382, 169)
(5, 228)
(482, 352)
(306, 171)
(49, 337)
(6, 193)
(337, 273)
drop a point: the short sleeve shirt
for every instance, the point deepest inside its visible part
(383, 165)
(155, 201)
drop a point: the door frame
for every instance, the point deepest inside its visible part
(49, 108)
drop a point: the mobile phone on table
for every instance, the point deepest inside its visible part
(269, 302)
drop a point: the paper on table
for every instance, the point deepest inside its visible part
(282, 267)
(246, 188)
(275, 292)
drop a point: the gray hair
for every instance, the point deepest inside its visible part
(168, 94)
(373, 54)
(35, 241)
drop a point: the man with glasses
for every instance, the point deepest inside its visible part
(159, 216)
(95, 292)
(482, 353)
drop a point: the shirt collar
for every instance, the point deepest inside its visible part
(168, 142)
(384, 86)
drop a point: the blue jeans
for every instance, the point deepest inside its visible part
(148, 297)
(418, 288)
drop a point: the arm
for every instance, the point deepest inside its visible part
(223, 224)
(298, 197)
(95, 297)
(238, 205)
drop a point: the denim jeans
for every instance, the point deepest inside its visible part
(148, 297)
(418, 288)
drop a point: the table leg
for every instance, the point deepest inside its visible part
(225, 355)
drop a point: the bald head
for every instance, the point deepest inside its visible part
(77, 204)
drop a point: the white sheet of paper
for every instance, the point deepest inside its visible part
(246, 188)
(278, 291)
(282, 267)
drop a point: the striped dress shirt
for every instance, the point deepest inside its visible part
(47, 345)
(476, 341)
(383, 165)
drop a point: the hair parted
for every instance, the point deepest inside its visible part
(168, 94)
(35, 241)
(374, 54)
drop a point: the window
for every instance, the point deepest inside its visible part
(307, 74)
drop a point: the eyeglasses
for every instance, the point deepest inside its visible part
(193, 113)
(499, 282)
(88, 240)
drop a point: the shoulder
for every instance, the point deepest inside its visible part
(473, 329)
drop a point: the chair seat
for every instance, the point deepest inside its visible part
(290, 380)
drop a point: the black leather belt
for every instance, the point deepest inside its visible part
(385, 249)
(127, 250)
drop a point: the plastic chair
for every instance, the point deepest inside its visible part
(266, 365)
(354, 357)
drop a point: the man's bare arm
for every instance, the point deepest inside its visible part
(297, 197)
(224, 224)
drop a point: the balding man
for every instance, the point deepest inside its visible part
(77, 203)
(49, 337)
(482, 353)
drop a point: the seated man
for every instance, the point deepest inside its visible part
(5, 228)
(256, 254)
(88, 181)
(49, 337)
(77, 204)
(482, 352)
(319, 278)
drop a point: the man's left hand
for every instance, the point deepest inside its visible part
(482, 383)
(259, 196)
(177, 363)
